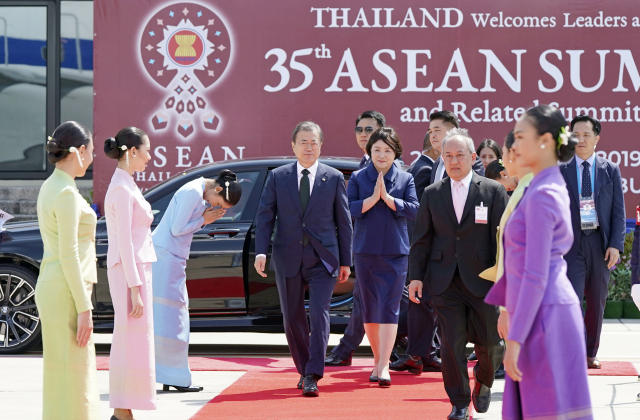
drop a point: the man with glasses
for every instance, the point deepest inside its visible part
(306, 201)
(366, 124)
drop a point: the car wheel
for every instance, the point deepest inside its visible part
(19, 318)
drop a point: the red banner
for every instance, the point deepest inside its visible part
(216, 80)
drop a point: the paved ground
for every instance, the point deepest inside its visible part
(21, 385)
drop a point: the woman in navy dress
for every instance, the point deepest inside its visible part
(381, 200)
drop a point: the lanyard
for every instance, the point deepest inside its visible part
(593, 178)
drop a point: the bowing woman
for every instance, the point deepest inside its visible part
(186, 214)
(67, 276)
(129, 258)
(382, 199)
(544, 327)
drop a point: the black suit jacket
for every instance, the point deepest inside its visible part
(440, 244)
(477, 167)
(326, 221)
(609, 200)
(421, 171)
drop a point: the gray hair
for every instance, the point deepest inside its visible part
(463, 133)
(307, 126)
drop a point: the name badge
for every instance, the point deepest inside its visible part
(588, 219)
(638, 215)
(482, 214)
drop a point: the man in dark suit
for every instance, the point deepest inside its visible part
(598, 236)
(306, 201)
(421, 168)
(439, 123)
(341, 355)
(454, 240)
(420, 355)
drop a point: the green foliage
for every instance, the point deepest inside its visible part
(90, 198)
(620, 283)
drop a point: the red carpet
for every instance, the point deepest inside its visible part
(280, 364)
(268, 391)
(345, 393)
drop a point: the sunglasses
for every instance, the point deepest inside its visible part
(367, 130)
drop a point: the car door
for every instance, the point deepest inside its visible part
(216, 266)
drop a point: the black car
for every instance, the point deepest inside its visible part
(225, 292)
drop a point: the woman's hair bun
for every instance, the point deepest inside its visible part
(227, 175)
(54, 147)
(111, 148)
(566, 151)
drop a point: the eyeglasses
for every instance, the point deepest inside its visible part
(367, 129)
(313, 144)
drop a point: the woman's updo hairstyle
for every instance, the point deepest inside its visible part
(493, 170)
(130, 137)
(509, 140)
(231, 189)
(547, 119)
(68, 134)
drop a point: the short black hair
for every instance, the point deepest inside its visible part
(594, 123)
(497, 150)
(446, 116)
(372, 114)
(389, 136)
(493, 170)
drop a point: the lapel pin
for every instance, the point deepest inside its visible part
(324, 179)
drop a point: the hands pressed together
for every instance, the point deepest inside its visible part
(212, 214)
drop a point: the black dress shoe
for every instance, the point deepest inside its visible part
(384, 382)
(301, 382)
(472, 356)
(433, 365)
(334, 360)
(412, 364)
(481, 397)
(500, 373)
(192, 388)
(395, 356)
(459, 413)
(310, 388)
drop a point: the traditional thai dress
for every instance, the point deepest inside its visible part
(172, 240)
(67, 276)
(544, 311)
(132, 361)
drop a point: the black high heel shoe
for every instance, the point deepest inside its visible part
(191, 388)
(373, 378)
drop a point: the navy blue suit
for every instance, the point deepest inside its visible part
(381, 241)
(327, 224)
(421, 170)
(586, 268)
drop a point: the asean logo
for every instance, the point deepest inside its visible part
(185, 49)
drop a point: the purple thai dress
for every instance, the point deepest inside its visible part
(544, 311)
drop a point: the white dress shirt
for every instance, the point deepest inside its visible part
(459, 193)
(312, 175)
(313, 169)
(440, 170)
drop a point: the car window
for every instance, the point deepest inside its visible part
(247, 181)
